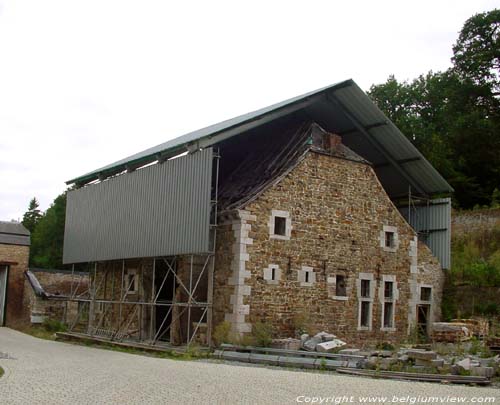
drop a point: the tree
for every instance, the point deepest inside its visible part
(453, 117)
(47, 239)
(477, 51)
(32, 216)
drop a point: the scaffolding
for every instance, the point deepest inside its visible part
(159, 301)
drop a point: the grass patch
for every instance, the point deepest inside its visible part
(1, 372)
(39, 332)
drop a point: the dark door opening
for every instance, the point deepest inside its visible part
(423, 320)
(165, 289)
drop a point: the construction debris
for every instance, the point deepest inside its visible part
(450, 332)
(478, 327)
(321, 342)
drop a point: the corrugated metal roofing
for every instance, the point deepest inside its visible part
(433, 223)
(342, 108)
(14, 233)
(160, 210)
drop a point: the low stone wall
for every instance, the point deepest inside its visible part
(57, 283)
(477, 220)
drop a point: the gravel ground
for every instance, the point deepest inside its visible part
(45, 372)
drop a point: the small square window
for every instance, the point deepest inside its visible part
(388, 314)
(280, 226)
(365, 288)
(388, 289)
(340, 286)
(389, 239)
(425, 293)
(365, 314)
(131, 282)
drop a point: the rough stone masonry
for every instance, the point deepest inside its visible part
(327, 222)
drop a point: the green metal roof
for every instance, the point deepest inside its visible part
(342, 108)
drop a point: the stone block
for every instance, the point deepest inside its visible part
(325, 336)
(423, 362)
(350, 351)
(437, 363)
(421, 354)
(310, 345)
(299, 362)
(479, 371)
(330, 346)
(258, 358)
(287, 344)
(464, 364)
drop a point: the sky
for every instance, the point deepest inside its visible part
(86, 83)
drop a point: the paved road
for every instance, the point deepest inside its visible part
(46, 372)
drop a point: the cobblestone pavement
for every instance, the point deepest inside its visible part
(46, 372)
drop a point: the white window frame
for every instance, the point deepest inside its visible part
(369, 299)
(268, 274)
(288, 224)
(384, 300)
(394, 230)
(332, 286)
(301, 276)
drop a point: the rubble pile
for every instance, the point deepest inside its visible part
(323, 342)
(450, 332)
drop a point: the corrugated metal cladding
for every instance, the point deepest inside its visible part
(434, 221)
(160, 210)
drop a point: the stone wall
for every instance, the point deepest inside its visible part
(337, 210)
(16, 315)
(58, 283)
(463, 222)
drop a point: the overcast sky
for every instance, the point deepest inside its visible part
(85, 83)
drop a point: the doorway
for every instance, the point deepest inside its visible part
(3, 292)
(165, 288)
(423, 320)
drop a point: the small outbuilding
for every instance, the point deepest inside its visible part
(14, 258)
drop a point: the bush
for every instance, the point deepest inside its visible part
(51, 325)
(385, 346)
(262, 334)
(222, 333)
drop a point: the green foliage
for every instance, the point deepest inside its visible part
(453, 117)
(32, 216)
(477, 51)
(51, 325)
(47, 238)
(263, 334)
(385, 346)
(222, 333)
(476, 258)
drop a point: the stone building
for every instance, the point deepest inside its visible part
(14, 258)
(312, 214)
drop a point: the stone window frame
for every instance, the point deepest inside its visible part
(301, 276)
(420, 286)
(332, 286)
(394, 230)
(370, 277)
(268, 271)
(383, 300)
(135, 288)
(288, 224)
